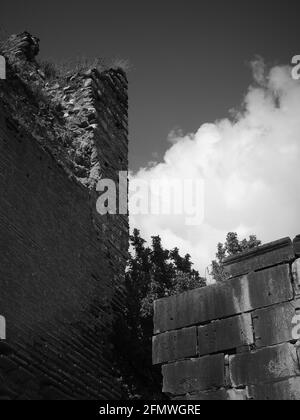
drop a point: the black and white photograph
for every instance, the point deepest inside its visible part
(149, 204)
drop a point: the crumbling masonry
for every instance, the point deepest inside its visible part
(61, 263)
(235, 340)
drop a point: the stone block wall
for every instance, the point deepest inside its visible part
(235, 340)
(61, 263)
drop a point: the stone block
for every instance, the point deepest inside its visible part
(174, 345)
(266, 365)
(271, 286)
(274, 325)
(268, 255)
(226, 334)
(194, 375)
(288, 389)
(234, 296)
(296, 244)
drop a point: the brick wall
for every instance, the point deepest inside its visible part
(234, 340)
(61, 263)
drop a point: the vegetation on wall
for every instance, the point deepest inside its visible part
(59, 70)
(232, 246)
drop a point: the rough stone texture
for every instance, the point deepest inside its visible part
(174, 345)
(298, 350)
(296, 276)
(226, 334)
(279, 391)
(23, 46)
(194, 375)
(296, 244)
(61, 262)
(234, 296)
(274, 325)
(265, 365)
(262, 257)
(245, 325)
(218, 395)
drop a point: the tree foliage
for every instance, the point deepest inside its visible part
(232, 246)
(153, 272)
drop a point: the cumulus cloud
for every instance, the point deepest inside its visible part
(250, 167)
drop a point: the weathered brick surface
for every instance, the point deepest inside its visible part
(225, 334)
(235, 296)
(194, 375)
(54, 292)
(262, 257)
(274, 325)
(288, 389)
(265, 365)
(60, 260)
(175, 345)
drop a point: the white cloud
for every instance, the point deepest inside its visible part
(250, 165)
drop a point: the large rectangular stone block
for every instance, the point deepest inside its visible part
(271, 286)
(194, 375)
(265, 365)
(226, 334)
(288, 389)
(174, 345)
(234, 296)
(274, 325)
(268, 255)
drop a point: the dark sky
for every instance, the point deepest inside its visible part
(189, 57)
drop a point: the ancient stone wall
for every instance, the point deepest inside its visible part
(235, 340)
(61, 263)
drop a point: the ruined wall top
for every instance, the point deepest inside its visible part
(23, 46)
(70, 112)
